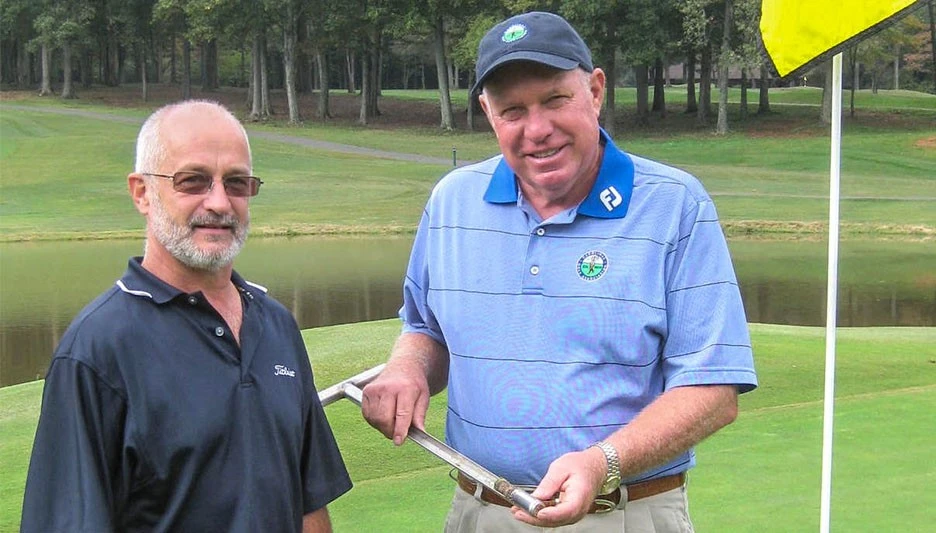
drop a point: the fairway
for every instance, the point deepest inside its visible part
(770, 178)
(766, 464)
(64, 178)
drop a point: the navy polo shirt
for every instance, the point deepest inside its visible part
(154, 419)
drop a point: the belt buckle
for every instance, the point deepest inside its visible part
(603, 505)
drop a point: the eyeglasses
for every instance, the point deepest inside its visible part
(197, 183)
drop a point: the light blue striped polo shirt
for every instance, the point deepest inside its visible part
(561, 331)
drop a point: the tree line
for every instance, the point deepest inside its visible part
(362, 46)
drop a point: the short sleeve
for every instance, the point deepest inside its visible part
(70, 484)
(416, 314)
(708, 341)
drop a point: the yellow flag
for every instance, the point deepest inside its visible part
(796, 32)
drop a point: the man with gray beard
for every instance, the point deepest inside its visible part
(182, 399)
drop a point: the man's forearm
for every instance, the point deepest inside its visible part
(423, 351)
(677, 420)
(317, 522)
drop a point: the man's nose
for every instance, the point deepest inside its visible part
(217, 198)
(539, 125)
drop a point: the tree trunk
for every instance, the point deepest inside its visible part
(763, 102)
(87, 72)
(156, 56)
(472, 102)
(659, 88)
(896, 67)
(349, 69)
(641, 73)
(932, 20)
(186, 69)
(68, 91)
(255, 78)
(289, 62)
(266, 108)
(113, 48)
(743, 109)
(691, 105)
(705, 86)
(173, 74)
(445, 97)
(855, 81)
(143, 73)
(610, 108)
(721, 126)
(321, 62)
(364, 117)
(23, 67)
(209, 54)
(46, 88)
(826, 112)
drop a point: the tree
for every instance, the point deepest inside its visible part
(17, 45)
(699, 21)
(724, 60)
(64, 24)
(465, 52)
(289, 23)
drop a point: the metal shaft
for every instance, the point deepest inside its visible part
(518, 497)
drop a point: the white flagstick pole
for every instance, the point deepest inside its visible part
(832, 295)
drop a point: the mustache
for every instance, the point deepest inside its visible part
(214, 220)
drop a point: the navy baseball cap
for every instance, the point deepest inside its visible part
(540, 37)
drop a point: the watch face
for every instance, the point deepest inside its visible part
(610, 484)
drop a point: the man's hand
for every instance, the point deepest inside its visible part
(576, 477)
(398, 398)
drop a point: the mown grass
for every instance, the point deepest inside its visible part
(767, 464)
(64, 176)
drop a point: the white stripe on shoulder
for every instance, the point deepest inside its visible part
(124, 288)
(261, 287)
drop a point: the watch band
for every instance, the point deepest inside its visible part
(613, 478)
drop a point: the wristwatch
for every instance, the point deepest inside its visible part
(613, 480)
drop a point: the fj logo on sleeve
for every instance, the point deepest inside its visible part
(592, 265)
(611, 198)
(283, 370)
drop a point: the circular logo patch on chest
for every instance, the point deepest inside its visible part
(592, 265)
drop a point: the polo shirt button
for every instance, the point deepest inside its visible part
(534, 270)
(540, 232)
(219, 331)
(192, 300)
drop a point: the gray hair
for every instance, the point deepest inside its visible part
(151, 151)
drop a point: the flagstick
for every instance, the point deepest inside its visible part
(832, 295)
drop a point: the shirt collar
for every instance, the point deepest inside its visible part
(608, 198)
(141, 282)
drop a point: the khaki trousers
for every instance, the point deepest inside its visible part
(667, 512)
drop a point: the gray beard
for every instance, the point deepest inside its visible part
(178, 239)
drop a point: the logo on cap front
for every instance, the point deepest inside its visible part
(592, 265)
(514, 33)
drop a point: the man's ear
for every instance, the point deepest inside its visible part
(485, 105)
(597, 86)
(137, 185)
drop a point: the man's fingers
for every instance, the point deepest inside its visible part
(406, 407)
(379, 409)
(421, 407)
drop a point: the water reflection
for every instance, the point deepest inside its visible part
(326, 281)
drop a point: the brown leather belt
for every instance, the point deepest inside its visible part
(635, 491)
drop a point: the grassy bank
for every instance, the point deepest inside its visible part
(766, 464)
(63, 176)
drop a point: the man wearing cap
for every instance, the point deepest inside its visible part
(578, 302)
(182, 398)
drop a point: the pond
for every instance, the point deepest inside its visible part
(326, 281)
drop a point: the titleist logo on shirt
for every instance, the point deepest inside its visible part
(283, 370)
